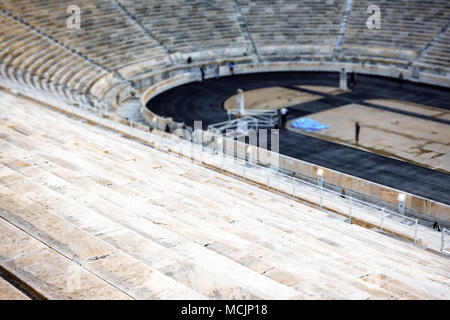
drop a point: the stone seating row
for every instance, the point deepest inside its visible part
(406, 26)
(31, 60)
(214, 234)
(106, 33)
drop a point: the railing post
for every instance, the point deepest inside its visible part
(243, 171)
(268, 182)
(321, 197)
(443, 239)
(350, 209)
(415, 231)
(293, 187)
(223, 160)
(382, 219)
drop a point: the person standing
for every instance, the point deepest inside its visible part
(231, 67)
(218, 71)
(436, 226)
(202, 70)
(400, 79)
(357, 131)
(352, 82)
(284, 113)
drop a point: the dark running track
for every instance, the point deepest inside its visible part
(204, 101)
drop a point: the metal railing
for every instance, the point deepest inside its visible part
(227, 160)
(327, 199)
(317, 194)
(385, 219)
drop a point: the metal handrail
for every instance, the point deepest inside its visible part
(293, 180)
(315, 186)
(134, 126)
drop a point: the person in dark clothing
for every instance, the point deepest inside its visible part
(436, 226)
(357, 131)
(167, 129)
(202, 70)
(231, 67)
(352, 81)
(400, 80)
(189, 60)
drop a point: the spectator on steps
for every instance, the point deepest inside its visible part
(343, 194)
(357, 131)
(189, 60)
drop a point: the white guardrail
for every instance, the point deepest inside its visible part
(386, 219)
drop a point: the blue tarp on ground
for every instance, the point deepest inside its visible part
(308, 125)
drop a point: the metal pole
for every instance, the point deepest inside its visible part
(181, 144)
(350, 215)
(293, 187)
(268, 182)
(321, 197)
(415, 231)
(223, 159)
(243, 171)
(443, 239)
(382, 219)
